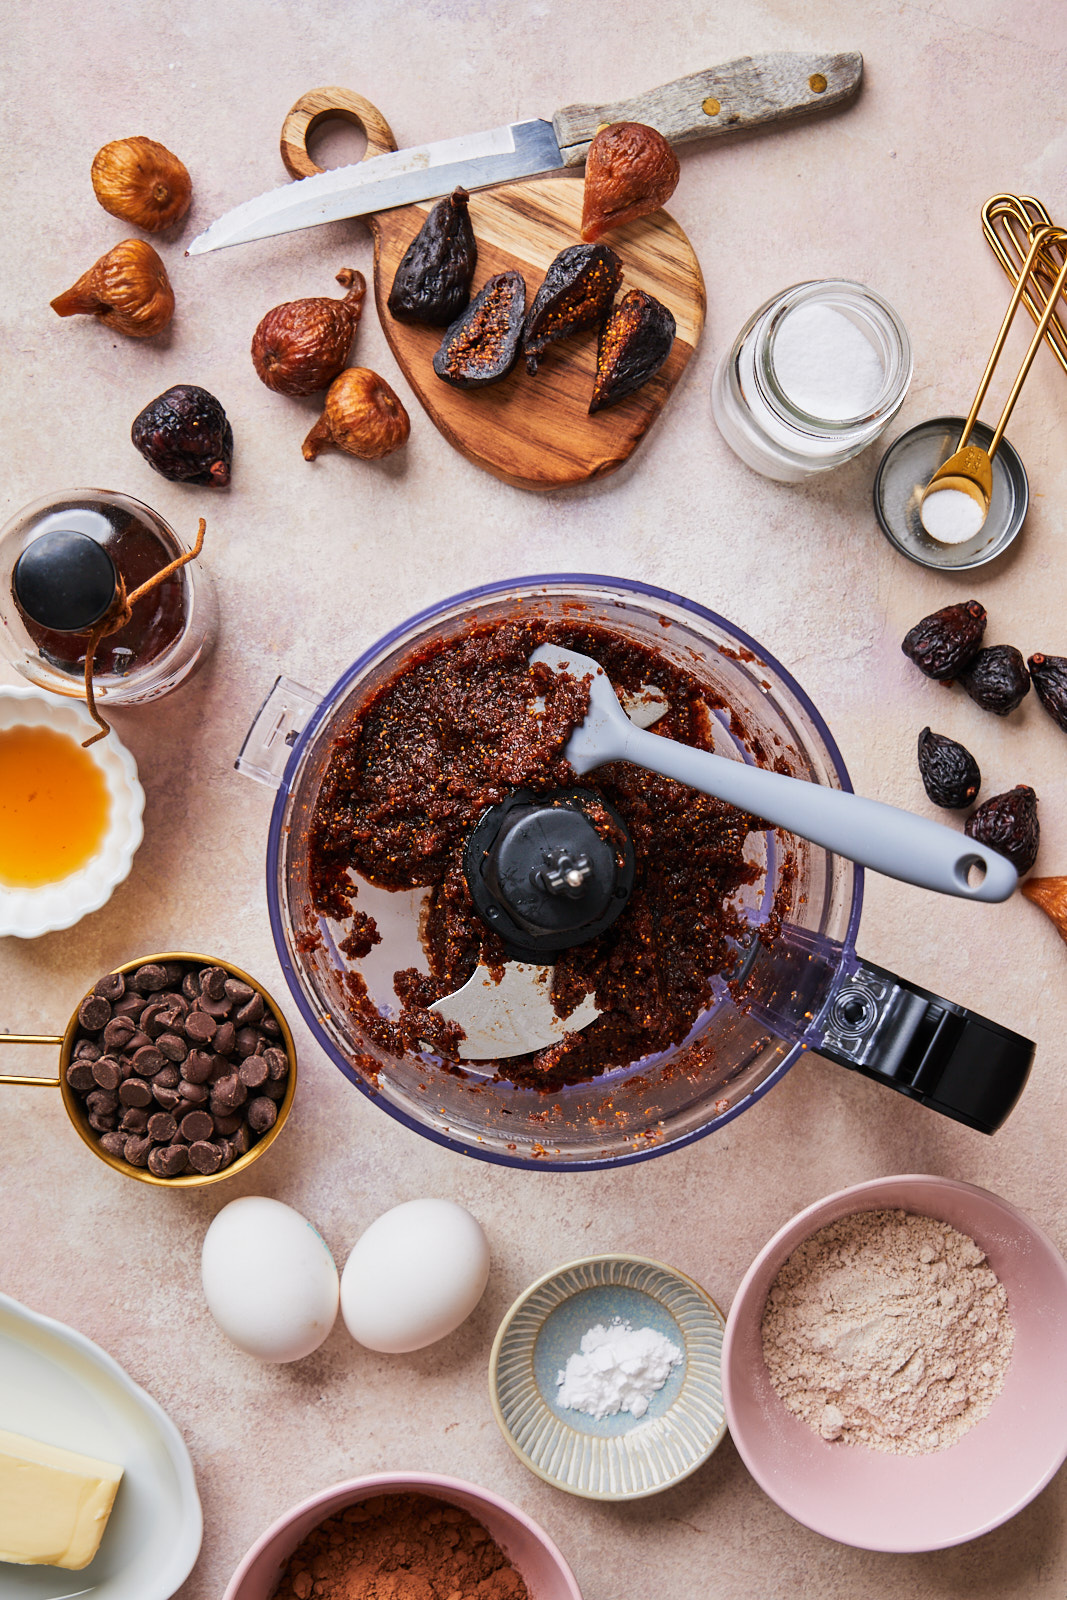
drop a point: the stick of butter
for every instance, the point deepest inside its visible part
(54, 1505)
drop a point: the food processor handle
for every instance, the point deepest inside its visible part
(277, 726)
(925, 1047)
(898, 843)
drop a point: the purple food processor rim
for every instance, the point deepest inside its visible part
(503, 586)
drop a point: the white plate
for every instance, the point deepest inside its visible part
(59, 1387)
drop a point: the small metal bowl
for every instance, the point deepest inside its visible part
(617, 1457)
(906, 469)
(76, 1113)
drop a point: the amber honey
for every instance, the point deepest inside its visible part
(54, 806)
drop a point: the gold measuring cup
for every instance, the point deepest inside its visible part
(65, 1041)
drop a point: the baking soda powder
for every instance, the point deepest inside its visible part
(618, 1368)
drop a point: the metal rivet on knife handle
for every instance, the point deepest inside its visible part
(817, 83)
(758, 90)
(711, 107)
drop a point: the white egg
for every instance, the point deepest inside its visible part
(270, 1280)
(414, 1276)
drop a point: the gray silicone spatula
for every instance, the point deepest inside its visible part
(913, 849)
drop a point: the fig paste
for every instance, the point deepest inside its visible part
(456, 732)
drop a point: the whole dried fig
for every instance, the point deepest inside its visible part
(630, 171)
(1050, 680)
(997, 679)
(1008, 824)
(142, 182)
(128, 289)
(433, 281)
(301, 346)
(943, 643)
(363, 417)
(184, 434)
(1051, 895)
(948, 770)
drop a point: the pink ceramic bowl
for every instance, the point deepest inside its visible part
(910, 1503)
(546, 1574)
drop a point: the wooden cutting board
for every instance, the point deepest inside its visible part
(533, 432)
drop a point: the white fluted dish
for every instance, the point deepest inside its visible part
(27, 913)
(616, 1457)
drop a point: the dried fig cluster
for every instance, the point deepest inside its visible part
(301, 346)
(363, 417)
(127, 289)
(142, 182)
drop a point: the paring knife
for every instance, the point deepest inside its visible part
(740, 95)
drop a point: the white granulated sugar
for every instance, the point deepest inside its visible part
(890, 1330)
(950, 516)
(826, 365)
(618, 1368)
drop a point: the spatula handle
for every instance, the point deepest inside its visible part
(739, 95)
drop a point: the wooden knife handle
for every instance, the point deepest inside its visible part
(738, 95)
(320, 105)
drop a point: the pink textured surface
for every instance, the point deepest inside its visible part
(910, 1503)
(313, 562)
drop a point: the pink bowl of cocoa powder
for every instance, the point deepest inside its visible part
(909, 1503)
(529, 1549)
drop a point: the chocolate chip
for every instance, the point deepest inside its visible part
(135, 1092)
(114, 1144)
(242, 1140)
(137, 1041)
(155, 1019)
(197, 1125)
(168, 1077)
(225, 1040)
(119, 1032)
(87, 1050)
(247, 1041)
(226, 1146)
(168, 1161)
(175, 971)
(197, 1066)
(230, 1093)
(80, 1076)
(174, 1048)
(94, 1013)
(147, 1061)
(138, 1147)
(167, 1098)
(107, 1072)
(251, 1013)
(262, 1114)
(213, 982)
(253, 1071)
(275, 1091)
(134, 1120)
(112, 986)
(272, 1026)
(149, 979)
(205, 1157)
(131, 1005)
(162, 1127)
(102, 1100)
(220, 1068)
(227, 1123)
(277, 1062)
(238, 990)
(193, 1094)
(101, 1121)
(191, 984)
(199, 1027)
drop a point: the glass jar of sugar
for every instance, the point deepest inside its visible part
(812, 379)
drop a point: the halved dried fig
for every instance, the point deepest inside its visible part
(630, 171)
(634, 343)
(482, 345)
(433, 281)
(577, 293)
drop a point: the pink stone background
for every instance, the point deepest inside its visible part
(314, 562)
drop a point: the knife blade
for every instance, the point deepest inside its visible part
(737, 96)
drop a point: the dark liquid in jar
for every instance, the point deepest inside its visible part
(158, 619)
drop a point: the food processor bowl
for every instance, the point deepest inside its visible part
(796, 984)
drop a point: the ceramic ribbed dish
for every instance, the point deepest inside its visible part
(27, 913)
(616, 1457)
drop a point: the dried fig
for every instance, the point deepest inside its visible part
(577, 292)
(1050, 894)
(482, 345)
(184, 434)
(141, 182)
(302, 345)
(363, 417)
(433, 281)
(1008, 824)
(634, 343)
(943, 643)
(128, 289)
(630, 171)
(948, 770)
(1050, 680)
(997, 679)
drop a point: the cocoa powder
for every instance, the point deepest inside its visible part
(400, 1547)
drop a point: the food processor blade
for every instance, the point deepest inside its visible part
(507, 1011)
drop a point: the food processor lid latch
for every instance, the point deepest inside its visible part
(926, 1047)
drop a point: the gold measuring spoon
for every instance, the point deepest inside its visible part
(967, 475)
(76, 1111)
